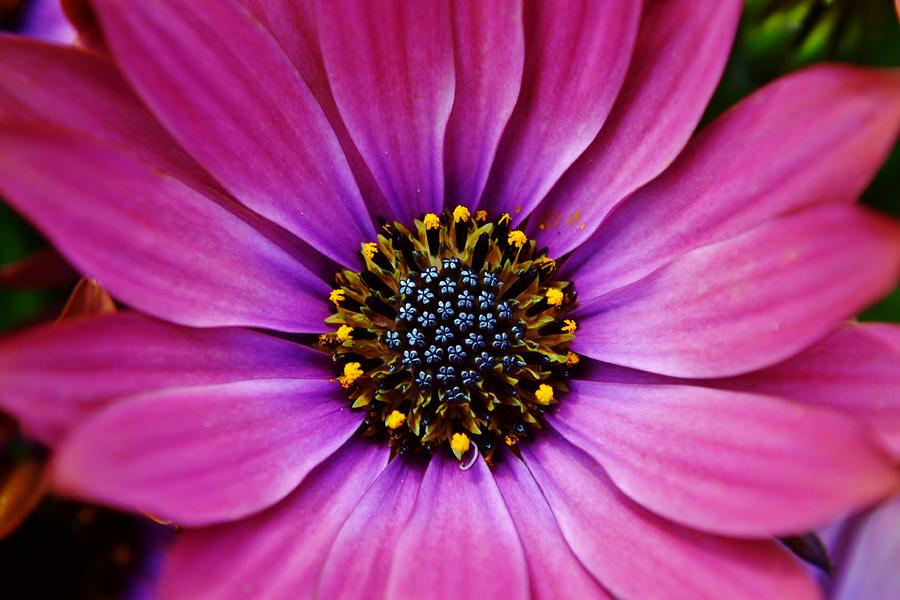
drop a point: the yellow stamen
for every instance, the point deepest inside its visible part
(504, 219)
(343, 333)
(572, 359)
(545, 262)
(544, 394)
(432, 221)
(369, 249)
(569, 326)
(461, 213)
(395, 419)
(459, 443)
(554, 297)
(352, 372)
(511, 440)
(516, 238)
(481, 216)
(336, 296)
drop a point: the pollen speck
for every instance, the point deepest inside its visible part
(352, 372)
(544, 394)
(336, 296)
(554, 297)
(369, 249)
(569, 326)
(516, 238)
(572, 359)
(459, 443)
(481, 216)
(343, 333)
(395, 419)
(461, 214)
(431, 221)
(511, 439)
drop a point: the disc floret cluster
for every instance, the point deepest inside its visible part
(453, 335)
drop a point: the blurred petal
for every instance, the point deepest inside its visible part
(52, 378)
(44, 269)
(461, 525)
(636, 554)
(390, 65)
(489, 47)
(554, 571)
(814, 137)
(150, 240)
(278, 553)
(245, 115)
(576, 57)
(748, 302)
(356, 565)
(730, 463)
(205, 454)
(870, 568)
(679, 55)
(856, 369)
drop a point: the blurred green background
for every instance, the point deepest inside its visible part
(775, 37)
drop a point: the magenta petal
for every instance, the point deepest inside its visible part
(576, 56)
(357, 565)
(747, 302)
(205, 454)
(856, 370)
(814, 137)
(293, 24)
(460, 527)
(278, 553)
(489, 47)
(726, 462)
(150, 240)
(390, 65)
(678, 58)
(554, 571)
(243, 112)
(53, 377)
(636, 554)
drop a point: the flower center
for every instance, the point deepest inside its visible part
(452, 335)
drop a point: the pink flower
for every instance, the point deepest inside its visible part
(230, 158)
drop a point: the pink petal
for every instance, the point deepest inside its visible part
(489, 47)
(357, 565)
(461, 529)
(636, 554)
(576, 57)
(153, 242)
(293, 24)
(856, 369)
(730, 463)
(390, 65)
(243, 112)
(870, 568)
(278, 553)
(52, 378)
(554, 571)
(679, 55)
(814, 137)
(747, 302)
(205, 454)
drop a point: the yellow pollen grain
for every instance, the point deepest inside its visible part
(511, 440)
(516, 238)
(461, 213)
(369, 249)
(343, 333)
(544, 394)
(431, 221)
(505, 219)
(481, 216)
(395, 419)
(572, 359)
(352, 372)
(569, 326)
(459, 443)
(336, 296)
(554, 297)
